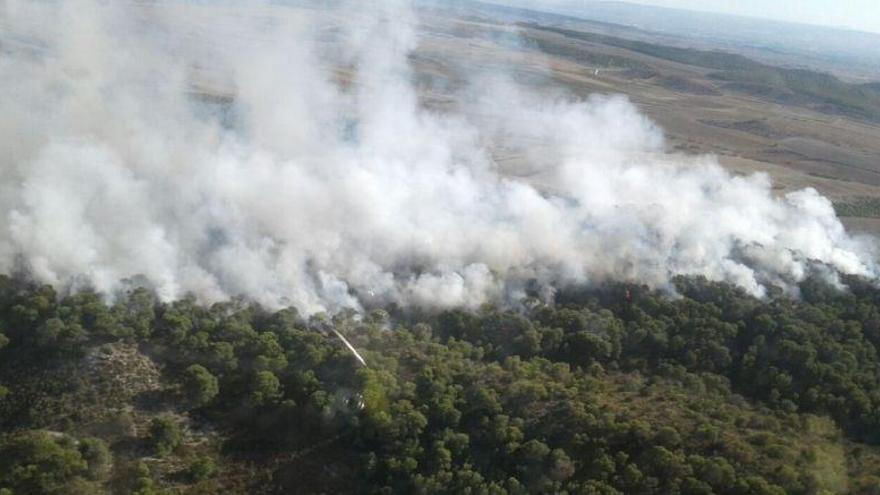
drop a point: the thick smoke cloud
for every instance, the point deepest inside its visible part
(314, 177)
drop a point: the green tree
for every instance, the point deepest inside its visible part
(200, 385)
(164, 434)
(265, 388)
(202, 469)
(97, 456)
(143, 484)
(39, 462)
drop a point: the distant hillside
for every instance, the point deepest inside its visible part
(800, 87)
(710, 59)
(822, 92)
(848, 50)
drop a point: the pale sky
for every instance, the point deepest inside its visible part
(855, 14)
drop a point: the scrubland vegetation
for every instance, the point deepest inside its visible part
(864, 207)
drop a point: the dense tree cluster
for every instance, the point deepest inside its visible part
(609, 390)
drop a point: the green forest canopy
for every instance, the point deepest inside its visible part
(711, 392)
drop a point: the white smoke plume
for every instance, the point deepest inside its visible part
(320, 180)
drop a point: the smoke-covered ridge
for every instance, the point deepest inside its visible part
(282, 153)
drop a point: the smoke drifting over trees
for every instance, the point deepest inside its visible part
(323, 183)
